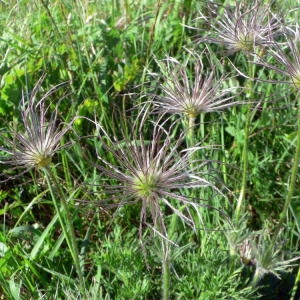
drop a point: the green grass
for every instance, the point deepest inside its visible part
(108, 51)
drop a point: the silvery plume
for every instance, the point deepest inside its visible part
(35, 139)
(153, 170)
(286, 56)
(244, 26)
(192, 93)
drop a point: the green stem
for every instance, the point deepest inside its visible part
(293, 174)
(240, 204)
(190, 131)
(224, 157)
(165, 270)
(291, 190)
(202, 125)
(240, 208)
(296, 285)
(65, 221)
(291, 187)
(288, 200)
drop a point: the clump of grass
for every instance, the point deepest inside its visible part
(156, 168)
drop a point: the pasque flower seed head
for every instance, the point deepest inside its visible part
(244, 26)
(152, 171)
(33, 145)
(192, 94)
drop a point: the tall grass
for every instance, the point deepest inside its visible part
(119, 56)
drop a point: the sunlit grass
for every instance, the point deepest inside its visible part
(106, 53)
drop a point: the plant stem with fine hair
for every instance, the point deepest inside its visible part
(290, 194)
(241, 205)
(66, 223)
(288, 200)
(189, 126)
(240, 208)
(291, 187)
(165, 270)
(190, 131)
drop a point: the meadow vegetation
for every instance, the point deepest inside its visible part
(149, 149)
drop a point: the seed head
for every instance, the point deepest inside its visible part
(192, 94)
(271, 259)
(286, 56)
(288, 59)
(244, 27)
(152, 172)
(34, 145)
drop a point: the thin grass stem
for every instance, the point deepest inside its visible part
(152, 30)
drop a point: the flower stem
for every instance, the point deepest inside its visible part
(190, 131)
(288, 200)
(289, 197)
(240, 208)
(296, 285)
(65, 220)
(240, 204)
(165, 270)
(293, 174)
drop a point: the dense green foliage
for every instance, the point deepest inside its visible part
(111, 53)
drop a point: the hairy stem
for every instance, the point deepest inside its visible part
(240, 204)
(190, 130)
(290, 194)
(294, 173)
(61, 207)
(240, 208)
(288, 200)
(296, 285)
(165, 270)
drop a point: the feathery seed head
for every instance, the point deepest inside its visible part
(194, 94)
(242, 28)
(152, 172)
(145, 185)
(287, 58)
(271, 259)
(245, 42)
(34, 145)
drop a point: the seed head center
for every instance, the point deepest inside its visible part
(145, 184)
(42, 160)
(192, 111)
(296, 80)
(245, 42)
